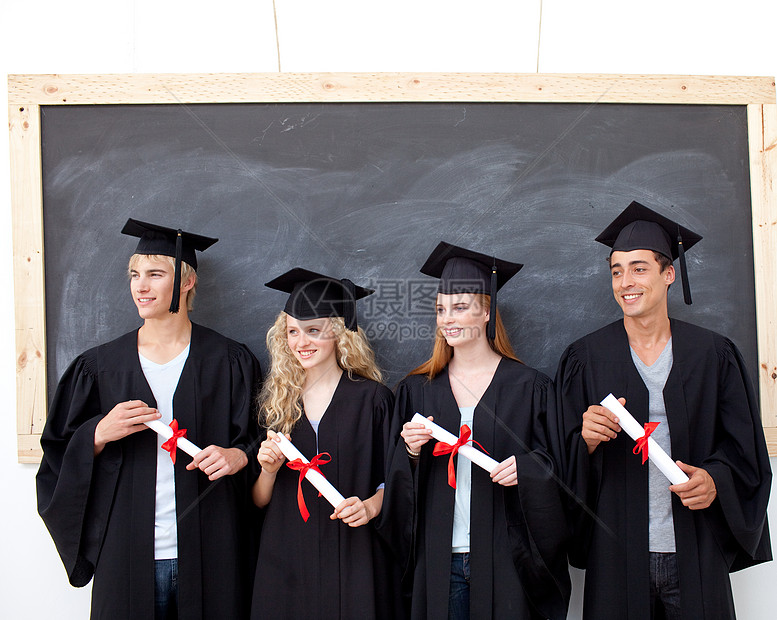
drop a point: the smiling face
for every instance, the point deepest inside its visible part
(311, 342)
(151, 285)
(639, 285)
(461, 318)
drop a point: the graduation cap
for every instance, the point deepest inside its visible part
(464, 271)
(163, 241)
(314, 296)
(640, 228)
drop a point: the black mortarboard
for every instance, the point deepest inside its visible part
(464, 271)
(314, 296)
(640, 228)
(163, 241)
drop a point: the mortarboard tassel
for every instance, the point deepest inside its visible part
(175, 303)
(683, 269)
(491, 327)
(349, 304)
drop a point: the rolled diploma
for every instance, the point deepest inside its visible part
(440, 434)
(655, 452)
(160, 428)
(323, 485)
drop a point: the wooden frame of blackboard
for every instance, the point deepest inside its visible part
(27, 93)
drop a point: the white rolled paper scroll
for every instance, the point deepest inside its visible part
(162, 429)
(655, 452)
(322, 485)
(480, 459)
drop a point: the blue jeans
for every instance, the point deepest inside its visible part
(458, 597)
(664, 586)
(166, 589)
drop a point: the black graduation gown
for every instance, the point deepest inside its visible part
(712, 412)
(323, 568)
(517, 554)
(100, 510)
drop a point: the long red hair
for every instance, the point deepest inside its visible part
(443, 352)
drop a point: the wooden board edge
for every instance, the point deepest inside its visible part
(762, 132)
(771, 440)
(29, 285)
(29, 450)
(376, 87)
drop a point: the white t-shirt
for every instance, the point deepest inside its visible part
(163, 380)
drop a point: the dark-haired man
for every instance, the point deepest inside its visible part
(652, 550)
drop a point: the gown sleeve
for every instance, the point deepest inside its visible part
(579, 471)
(75, 488)
(397, 520)
(739, 464)
(535, 513)
(246, 383)
(382, 441)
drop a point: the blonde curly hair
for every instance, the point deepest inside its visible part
(280, 401)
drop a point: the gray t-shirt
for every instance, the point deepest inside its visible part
(660, 497)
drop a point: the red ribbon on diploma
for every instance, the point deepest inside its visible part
(445, 448)
(642, 442)
(171, 444)
(302, 467)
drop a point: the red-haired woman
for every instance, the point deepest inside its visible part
(492, 547)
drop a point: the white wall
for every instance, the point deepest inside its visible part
(94, 36)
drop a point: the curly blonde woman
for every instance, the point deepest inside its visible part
(324, 393)
(281, 397)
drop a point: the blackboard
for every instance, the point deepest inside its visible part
(366, 190)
